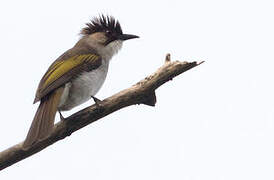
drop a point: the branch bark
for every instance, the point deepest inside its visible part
(141, 93)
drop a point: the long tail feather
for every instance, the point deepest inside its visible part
(43, 120)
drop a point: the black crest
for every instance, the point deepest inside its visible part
(102, 24)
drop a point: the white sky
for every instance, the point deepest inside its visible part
(215, 122)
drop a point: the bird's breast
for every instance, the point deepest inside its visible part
(81, 88)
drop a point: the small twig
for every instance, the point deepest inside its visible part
(167, 58)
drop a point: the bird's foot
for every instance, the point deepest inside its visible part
(61, 116)
(97, 101)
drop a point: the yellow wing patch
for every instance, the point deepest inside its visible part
(62, 67)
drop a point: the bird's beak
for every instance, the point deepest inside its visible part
(127, 37)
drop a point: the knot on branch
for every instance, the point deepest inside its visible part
(149, 99)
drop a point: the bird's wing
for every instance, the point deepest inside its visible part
(64, 70)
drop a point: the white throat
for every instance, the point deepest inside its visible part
(107, 52)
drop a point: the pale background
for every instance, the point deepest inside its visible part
(215, 122)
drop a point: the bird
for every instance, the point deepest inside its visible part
(77, 75)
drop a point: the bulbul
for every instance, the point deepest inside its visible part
(77, 75)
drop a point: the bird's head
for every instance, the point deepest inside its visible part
(105, 30)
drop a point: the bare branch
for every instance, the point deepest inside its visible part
(141, 93)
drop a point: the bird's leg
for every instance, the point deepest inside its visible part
(61, 116)
(96, 100)
(68, 131)
(98, 104)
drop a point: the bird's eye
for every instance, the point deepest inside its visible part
(108, 32)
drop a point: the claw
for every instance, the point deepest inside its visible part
(61, 116)
(96, 100)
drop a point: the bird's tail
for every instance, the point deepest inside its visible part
(43, 120)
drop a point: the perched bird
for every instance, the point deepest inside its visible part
(77, 75)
